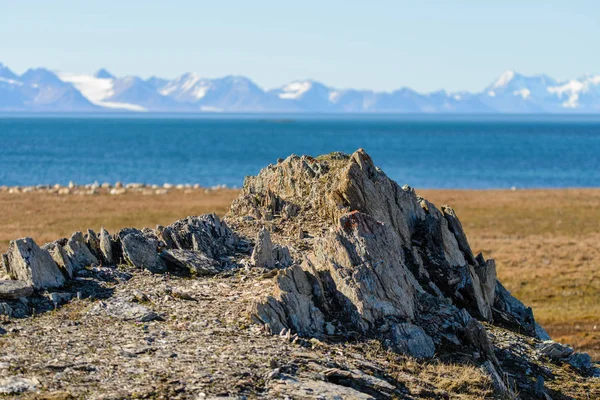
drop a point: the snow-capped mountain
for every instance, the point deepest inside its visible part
(40, 89)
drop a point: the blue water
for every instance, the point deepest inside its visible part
(423, 151)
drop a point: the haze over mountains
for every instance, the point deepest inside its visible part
(42, 90)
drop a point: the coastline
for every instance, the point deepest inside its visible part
(544, 240)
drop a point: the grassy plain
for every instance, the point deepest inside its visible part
(546, 242)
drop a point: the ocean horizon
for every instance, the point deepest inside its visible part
(462, 151)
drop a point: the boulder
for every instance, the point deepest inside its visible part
(11, 290)
(262, 255)
(412, 340)
(205, 233)
(281, 255)
(61, 258)
(93, 243)
(106, 245)
(29, 263)
(79, 253)
(193, 262)
(139, 252)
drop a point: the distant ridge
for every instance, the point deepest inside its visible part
(40, 89)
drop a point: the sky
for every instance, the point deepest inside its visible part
(382, 45)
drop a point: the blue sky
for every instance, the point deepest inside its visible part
(382, 45)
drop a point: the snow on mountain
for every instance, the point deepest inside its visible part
(98, 90)
(41, 89)
(188, 87)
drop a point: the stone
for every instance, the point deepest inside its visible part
(139, 252)
(291, 306)
(412, 340)
(262, 255)
(554, 350)
(29, 263)
(79, 253)
(93, 243)
(281, 255)
(581, 361)
(511, 312)
(290, 387)
(106, 245)
(193, 262)
(205, 233)
(13, 385)
(6, 309)
(12, 290)
(61, 258)
(123, 308)
(60, 298)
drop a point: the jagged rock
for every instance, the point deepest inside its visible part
(262, 255)
(194, 262)
(281, 255)
(511, 312)
(61, 258)
(11, 290)
(554, 350)
(29, 263)
(93, 243)
(60, 298)
(412, 340)
(206, 233)
(291, 306)
(79, 253)
(361, 262)
(390, 260)
(139, 252)
(106, 245)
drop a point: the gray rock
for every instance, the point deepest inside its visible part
(510, 311)
(262, 255)
(412, 340)
(290, 387)
(123, 308)
(541, 333)
(194, 262)
(29, 263)
(12, 290)
(93, 243)
(554, 350)
(6, 309)
(580, 361)
(139, 252)
(61, 258)
(60, 298)
(281, 255)
(79, 253)
(106, 248)
(292, 306)
(205, 233)
(17, 385)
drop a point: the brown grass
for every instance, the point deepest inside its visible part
(545, 242)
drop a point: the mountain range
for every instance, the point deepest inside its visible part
(43, 90)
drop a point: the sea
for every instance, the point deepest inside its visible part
(424, 151)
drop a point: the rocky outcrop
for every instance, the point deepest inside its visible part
(190, 261)
(106, 246)
(29, 263)
(382, 261)
(79, 253)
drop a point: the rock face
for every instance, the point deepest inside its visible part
(106, 245)
(29, 263)
(79, 253)
(139, 252)
(383, 261)
(262, 255)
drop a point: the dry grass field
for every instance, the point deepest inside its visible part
(545, 242)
